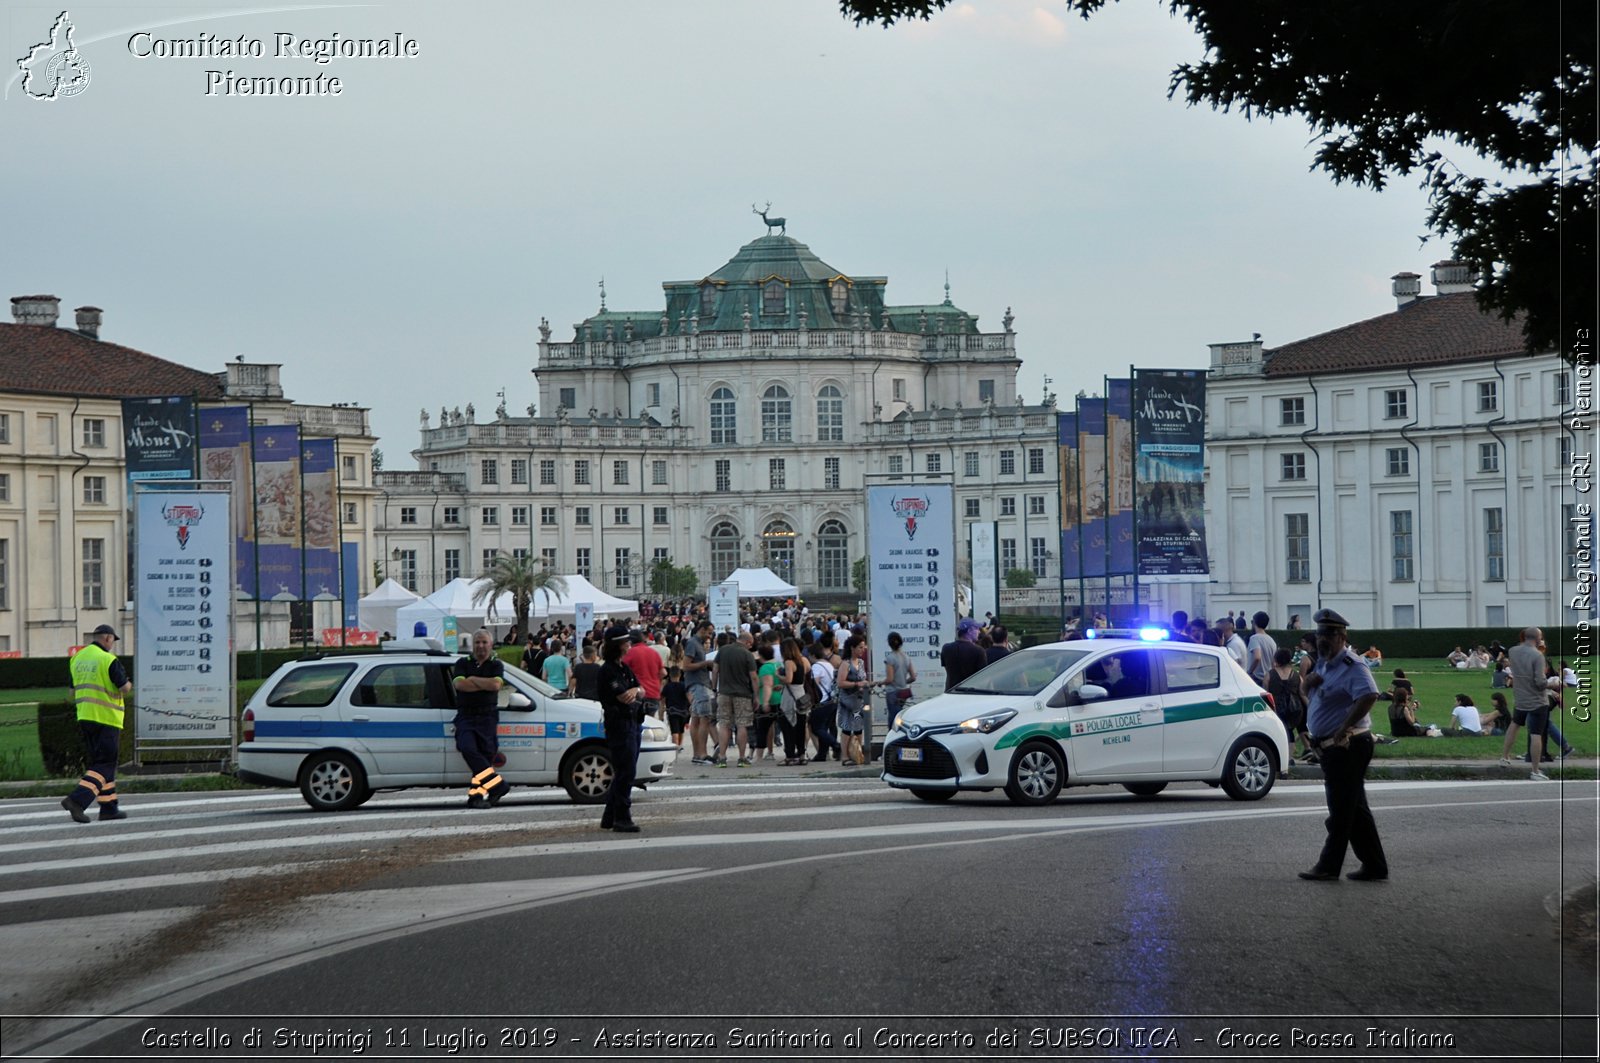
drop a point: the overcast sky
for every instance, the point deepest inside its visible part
(395, 246)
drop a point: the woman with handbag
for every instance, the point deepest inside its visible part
(796, 706)
(854, 688)
(825, 699)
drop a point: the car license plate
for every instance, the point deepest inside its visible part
(911, 756)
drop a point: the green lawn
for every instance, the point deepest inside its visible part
(1437, 685)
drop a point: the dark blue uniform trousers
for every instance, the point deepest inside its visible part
(1350, 823)
(102, 745)
(478, 743)
(622, 741)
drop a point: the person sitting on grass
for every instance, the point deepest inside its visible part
(1467, 722)
(1373, 658)
(1457, 658)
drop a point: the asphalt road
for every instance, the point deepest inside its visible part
(799, 912)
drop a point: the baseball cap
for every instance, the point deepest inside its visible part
(967, 626)
(615, 632)
(106, 629)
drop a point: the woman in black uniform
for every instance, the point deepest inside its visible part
(619, 693)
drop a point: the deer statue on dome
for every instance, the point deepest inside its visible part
(772, 223)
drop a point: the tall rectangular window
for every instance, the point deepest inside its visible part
(619, 472)
(1494, 544)
(830, 474)
(658, 515)
(1008, 506)
(5, 428)
(580, 471)
(1293, 466)
(1292, 412)
(452, 563)
(652, 394)
(452, 515)
(1035, 461)
(407, 574)
(1008, 555)
(1488, 396)
(658, 472)
(624, 568)
(520, 553)
(519, 516)
(1008, 463)
(1297, 547)
(94, 490)
(351, 515)
(547, 558)
(621, 514)
(936, 463)
(93, 573)
(776, 474)
(1488, 457)
(580, 516)
(898, 389)
(1396, 404)
(1037, 557)
(486, 559)
(519, 470)
(1397, 461)
(547, 516)
(986, 389)
(724, 474)
(94, 432)
(491, 516)
(970, 463)
(1562, 396)
(347, 468)
(1571, 534)
(408, 514)
(547, 472)
(5, 573)
(1036, 505)
(973, 508)
(660, 554)
(1401, 545)
(489, 471)
(897, 464)
(569, 398)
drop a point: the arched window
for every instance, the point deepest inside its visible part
(724, 420)
(841, 296)
(833, 557)
(777, 549)
(724, 551)
(708, 300)
(774, 299)
(830, 415)
(777, 415)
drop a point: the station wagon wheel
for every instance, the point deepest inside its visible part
(586, 774)
(1144, 789)
(1249, 771)
(333, 782)
(1037, 774)
(934, 796)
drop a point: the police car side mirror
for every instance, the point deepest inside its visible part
(1090, 692)
(519, 701)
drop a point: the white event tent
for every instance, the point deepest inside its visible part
(376, 612)
(761, 583)
(454, 599)
(581, 590)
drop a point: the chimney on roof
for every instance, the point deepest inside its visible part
(1407, 288)
(1451, 277)
(89, 321)
(35, 309)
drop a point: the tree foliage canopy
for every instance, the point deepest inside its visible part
(1491, 104)
(523, 576)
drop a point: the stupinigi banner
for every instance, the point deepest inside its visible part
(1169, 431)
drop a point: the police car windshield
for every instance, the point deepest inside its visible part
(1023, 674)
(529, 680)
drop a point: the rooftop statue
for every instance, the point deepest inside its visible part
(781, 224)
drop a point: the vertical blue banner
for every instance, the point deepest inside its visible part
(1071, 527)
(276, 453)
(319, 507)
(1092, 482)
(225, 456)
(352, 584)
(1119, 462)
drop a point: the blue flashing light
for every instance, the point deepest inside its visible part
(1091, 634)
(1152, 634)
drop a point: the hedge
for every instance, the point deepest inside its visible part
(60, 745)
(21, 673)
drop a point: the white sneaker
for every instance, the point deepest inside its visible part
(1538, 776)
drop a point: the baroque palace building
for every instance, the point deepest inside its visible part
(1416, 469)
(65, 534)
(735, 424)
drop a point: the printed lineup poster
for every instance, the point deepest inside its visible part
(183, 607)
(1170, 430)
(911, 576)
(158, 438)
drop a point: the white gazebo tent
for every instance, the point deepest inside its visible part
(376, 612)
(761, 583)
(580, 589)
(454, 599)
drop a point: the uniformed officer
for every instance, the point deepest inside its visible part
(478, 679)
(99, 683)
(1342, 693)
(622, 702)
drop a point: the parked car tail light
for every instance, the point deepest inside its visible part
(248, 730)
(1271, 704)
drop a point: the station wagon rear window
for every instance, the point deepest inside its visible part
(312, 687)
(1190, 671)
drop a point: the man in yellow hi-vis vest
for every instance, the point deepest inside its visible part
(99, 683)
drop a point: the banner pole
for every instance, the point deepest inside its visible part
(1105, 469)
(1083, 586)
(1133, 473)
(255, 538)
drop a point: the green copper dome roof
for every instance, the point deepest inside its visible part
(766, 256)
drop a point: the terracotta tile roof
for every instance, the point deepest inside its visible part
(1435, 330)
(48, 360)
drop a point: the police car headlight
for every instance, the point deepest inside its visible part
(656, 734)
(988, 723)
(899, 722)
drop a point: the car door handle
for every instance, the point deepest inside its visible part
(1227, 699)
(361, 719)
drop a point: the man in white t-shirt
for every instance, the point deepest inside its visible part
(1232, 642)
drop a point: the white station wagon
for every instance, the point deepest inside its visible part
(340, 727)
(1110, 710)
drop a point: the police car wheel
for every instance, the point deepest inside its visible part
(333, 782)
(1144, 789)
(586, 774)
(1249, 771)
(934, 796)
(1037, 774)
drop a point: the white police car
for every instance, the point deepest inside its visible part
(340, 727)
(1134, 711)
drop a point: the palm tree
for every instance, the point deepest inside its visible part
(522, 577)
